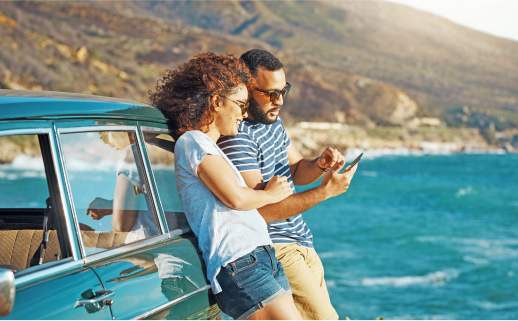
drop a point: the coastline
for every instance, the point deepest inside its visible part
(395, 141)
(351, 140)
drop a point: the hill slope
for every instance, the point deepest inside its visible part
(365, 62)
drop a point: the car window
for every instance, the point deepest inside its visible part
(110, 194)
(160, 150)
(32, 231)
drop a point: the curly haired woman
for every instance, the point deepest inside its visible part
(204, 99)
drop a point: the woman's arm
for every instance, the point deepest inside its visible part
(221, 180)
(125, 205)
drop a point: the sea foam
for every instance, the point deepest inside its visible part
(434, 278)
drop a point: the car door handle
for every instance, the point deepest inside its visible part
(101, 298)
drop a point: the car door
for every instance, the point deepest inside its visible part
(159, 159)
(123, 234)
(36, 238)
(165, 281)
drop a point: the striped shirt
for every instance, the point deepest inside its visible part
(263, 147)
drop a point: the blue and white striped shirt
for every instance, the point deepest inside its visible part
(263, 147)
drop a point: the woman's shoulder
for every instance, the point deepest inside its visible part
(194, 140)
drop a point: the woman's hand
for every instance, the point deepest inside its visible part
(278, 188)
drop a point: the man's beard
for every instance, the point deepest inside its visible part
(258, 115)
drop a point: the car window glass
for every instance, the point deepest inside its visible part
(110, 196)
(30, 230)
(160, 150)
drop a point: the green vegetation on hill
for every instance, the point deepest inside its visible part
(366, 63)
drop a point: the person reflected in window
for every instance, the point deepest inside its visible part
(128, 207)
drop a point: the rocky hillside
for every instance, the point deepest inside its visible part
(367, 63)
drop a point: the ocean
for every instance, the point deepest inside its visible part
(423, 237)
(415, 237)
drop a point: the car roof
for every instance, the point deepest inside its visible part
(23, 104)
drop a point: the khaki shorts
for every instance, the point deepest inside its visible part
(305, 274)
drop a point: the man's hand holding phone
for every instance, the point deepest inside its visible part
(336, 182)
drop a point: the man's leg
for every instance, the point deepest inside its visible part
(306, 277)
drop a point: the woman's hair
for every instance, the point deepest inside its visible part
(183, 94)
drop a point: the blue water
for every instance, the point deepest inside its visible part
(429, 237)
(426, 237)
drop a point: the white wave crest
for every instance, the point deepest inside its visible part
(24, 162)
(369, 173)
(482, 249)
(464, 191)
(492, 306)
(337, 254)
(475, 260)
(330, 284)
(435, 278)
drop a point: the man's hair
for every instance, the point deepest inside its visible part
(183, 94)
(255, 58)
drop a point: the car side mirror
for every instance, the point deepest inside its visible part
(7, 291)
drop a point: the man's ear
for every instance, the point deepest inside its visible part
(215, 102)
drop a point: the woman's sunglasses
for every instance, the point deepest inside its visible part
(242, 105)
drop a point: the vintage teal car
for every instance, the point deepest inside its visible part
(91, 226)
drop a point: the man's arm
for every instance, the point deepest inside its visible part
(305, 171)
(333, 184)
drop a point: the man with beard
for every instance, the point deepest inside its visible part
(261, 150)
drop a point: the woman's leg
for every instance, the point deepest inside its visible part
(280, 308)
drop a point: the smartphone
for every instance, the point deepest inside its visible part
(355, 161)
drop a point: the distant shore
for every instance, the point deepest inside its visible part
(376, 142)
(382, 141)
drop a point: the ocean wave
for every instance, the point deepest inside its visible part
(381, 152)
(468, 190)
(481, 249)
(337, 254)
(422, 317)
(427, 149)
(8, 176)
(12, 175)
(79, 165)
(369, 173)
(492, 306)
(475, 260)
(24, 162)
(330, 284)
(434, 278)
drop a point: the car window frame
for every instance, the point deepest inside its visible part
(48, 269)
(147, 127)
(78, 126)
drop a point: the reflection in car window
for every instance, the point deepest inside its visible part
(31, 230)
(160, 150)
(111, 199)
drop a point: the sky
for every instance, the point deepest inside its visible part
(497, 17)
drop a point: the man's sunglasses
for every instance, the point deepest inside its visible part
(275, 94)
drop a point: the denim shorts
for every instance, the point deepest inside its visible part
(250, 282)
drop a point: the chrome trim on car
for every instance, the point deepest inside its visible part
(25, 131)
(151, 182)
(65, 207)
(61, 267)
(171, 303)
(94, 128)
(125, 249)
(155, 129)
(70, 196)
